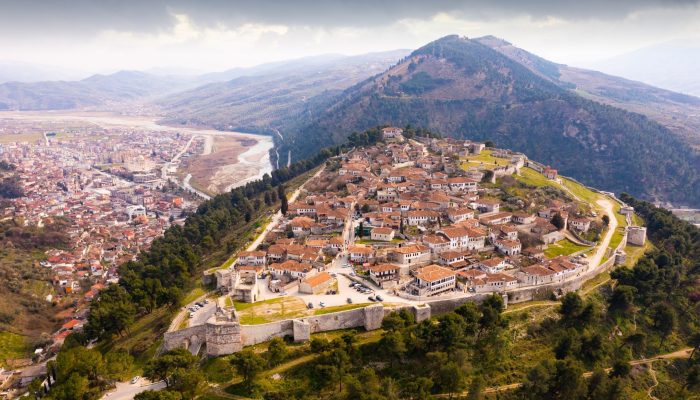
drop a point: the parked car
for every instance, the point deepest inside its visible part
(310, 305)
(322, 304)
(379, 298)
(136, 379)
(371, 298)
(349, 300)
(206, 301)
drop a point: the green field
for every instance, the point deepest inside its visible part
(12, 346)
(581, 191)
(563, 248)
(617, 237)
(484, 160)
(533, 178)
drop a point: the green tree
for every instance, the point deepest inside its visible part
(118, 365)
(35, 389)
(276, 352)
(476, 388)
(188, 382)
(392, 345)
(418, 388)
(450, 378)
(622, 298)
(339, 361)
(163, 367)
(571, 308)
(159, 395)
(282, 195)
(556, 380)
(664, 318)
(248, 365)
(319, 345)
(75, 387)
(81, 361)
(568, 345)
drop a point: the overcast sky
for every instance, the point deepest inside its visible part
(108, 35)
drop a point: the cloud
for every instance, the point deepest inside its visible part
(86, 17)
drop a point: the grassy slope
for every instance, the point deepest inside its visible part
(563, 248)
(12, 346)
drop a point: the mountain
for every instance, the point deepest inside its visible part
(261, 97)
(97, 90)
(466, 89)
(678, 112)
(672, 65)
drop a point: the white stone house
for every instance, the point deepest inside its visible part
(382, 234)
(432, 280)
(252, 258)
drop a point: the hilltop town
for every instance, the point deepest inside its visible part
(410, 221)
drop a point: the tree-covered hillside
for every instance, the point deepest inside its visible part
(465, 89)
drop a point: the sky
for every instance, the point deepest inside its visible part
(214, 35)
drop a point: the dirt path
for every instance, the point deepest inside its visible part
(656, 381)
(683, 353)
(544, 303)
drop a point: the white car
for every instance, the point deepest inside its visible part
(135, 380)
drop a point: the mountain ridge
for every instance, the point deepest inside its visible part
(465, 89)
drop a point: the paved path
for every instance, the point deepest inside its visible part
(278, 215)
(187, 186)
(596, 258)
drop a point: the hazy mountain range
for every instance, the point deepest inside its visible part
(607, 131)
(671, 65)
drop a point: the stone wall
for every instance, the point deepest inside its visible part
(369, 318)
(223, 337)
(254, 334)
(183, 337)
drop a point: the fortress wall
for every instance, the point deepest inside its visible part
(175, 339)
(254, 334)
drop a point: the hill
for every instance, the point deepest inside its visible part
(257, 98)
(465, 89)
(676, 111)
(97, 90)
